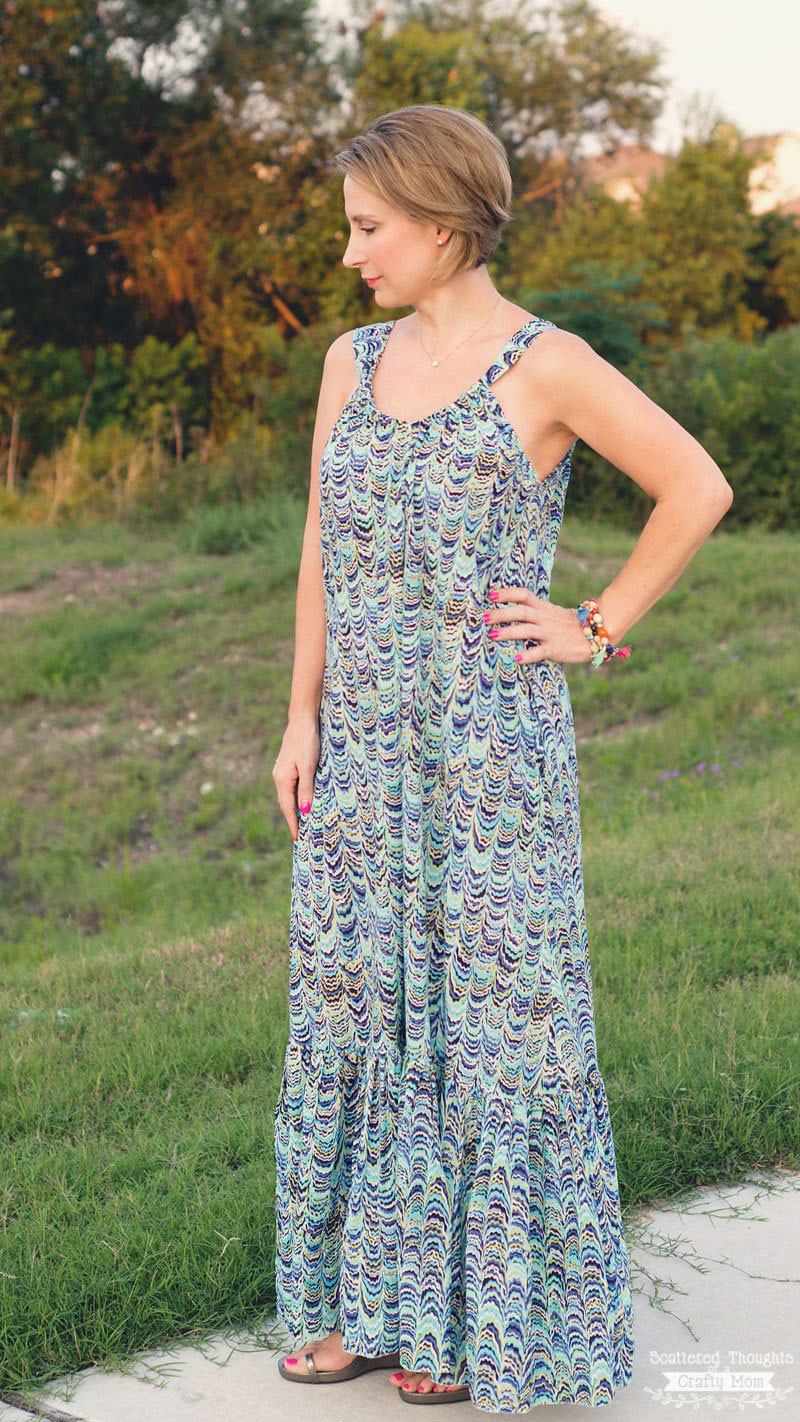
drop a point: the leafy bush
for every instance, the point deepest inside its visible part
(231, 527)
(740, 401)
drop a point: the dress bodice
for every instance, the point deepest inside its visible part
(424, 512)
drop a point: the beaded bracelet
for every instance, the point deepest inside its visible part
(591, 621)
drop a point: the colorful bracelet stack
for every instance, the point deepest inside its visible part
(591, 621)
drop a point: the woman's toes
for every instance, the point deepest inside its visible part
(410, 1381)
(405, 1378)
(419, 1382)
(327, 1353)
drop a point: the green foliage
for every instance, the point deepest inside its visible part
(287, 403)
(701, 256)
(736, 398)
(155, 389)
(599, 304)
(12, 508)
(232, 527)
(160, 379)
(740, 402)
(782, 259)
(696, 234)
(170, 260)
(117, 164)
(774, 290)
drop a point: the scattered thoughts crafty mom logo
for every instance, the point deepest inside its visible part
(699, 1379)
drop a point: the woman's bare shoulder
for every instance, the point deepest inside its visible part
(340, 364)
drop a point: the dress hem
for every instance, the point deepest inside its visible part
(477, 1233)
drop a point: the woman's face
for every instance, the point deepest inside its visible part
(387, 244)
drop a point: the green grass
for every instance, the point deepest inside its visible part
(144, 883)
(144, 696)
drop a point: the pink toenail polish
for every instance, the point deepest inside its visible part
(290, 1360)
(406, 1385)
(396, 1377)
(436, 1387)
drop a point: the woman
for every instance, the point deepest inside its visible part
(447, 1199)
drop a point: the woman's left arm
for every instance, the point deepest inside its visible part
(593, 401)
(601, 406)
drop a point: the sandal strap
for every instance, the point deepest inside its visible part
(310, 1364)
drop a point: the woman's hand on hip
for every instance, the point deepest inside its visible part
(517, 614)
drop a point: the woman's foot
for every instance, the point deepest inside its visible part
(418, 1382)
(328, 1353)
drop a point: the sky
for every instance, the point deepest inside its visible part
(738, 56)
(742, 57)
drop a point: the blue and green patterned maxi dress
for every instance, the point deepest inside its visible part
(445, 1173)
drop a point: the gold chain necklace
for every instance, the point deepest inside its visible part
(466, 338)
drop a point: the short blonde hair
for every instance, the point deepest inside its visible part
(440, 165)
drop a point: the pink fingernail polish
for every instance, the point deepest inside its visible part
(494, 631)
(517, 656)
(305, 807)
(493, 595)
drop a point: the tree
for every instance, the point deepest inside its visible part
(696, 233)
(115, 116)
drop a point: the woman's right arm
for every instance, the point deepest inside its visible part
(293, 771)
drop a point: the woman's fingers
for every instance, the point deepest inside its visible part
(519, 623)
(546, 630)
(519, 605)
(286, 781)
(516, 594)
(295, 770)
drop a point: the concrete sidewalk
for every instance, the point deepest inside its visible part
(716, 1286)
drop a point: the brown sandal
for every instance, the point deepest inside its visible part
(351, 1370)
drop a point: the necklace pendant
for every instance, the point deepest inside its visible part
(434, 362)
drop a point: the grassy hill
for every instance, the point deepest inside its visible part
(144, 888)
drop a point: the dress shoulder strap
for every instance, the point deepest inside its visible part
(368, 342)
(519, 342)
